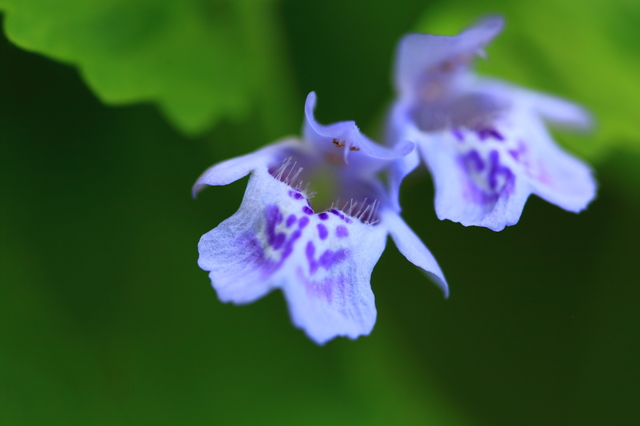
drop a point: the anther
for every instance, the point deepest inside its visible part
(338, 143)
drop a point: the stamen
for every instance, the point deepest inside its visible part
(338, 143)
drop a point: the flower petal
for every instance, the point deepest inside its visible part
(559, 177)
(322, 262)
(561, 112)
(397, 172)
(420, 53)
(328, 286)
(236, 168)
(400, 127)
(551, 108)
(410, 245)
(484, 175)
(235, 252)
(346, 135)
(473, 187)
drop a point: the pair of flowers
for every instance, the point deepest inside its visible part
(484, 142)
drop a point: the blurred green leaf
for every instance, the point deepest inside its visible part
(584, 51)
(199, 60)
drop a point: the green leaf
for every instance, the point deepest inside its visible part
(584, 51)
(199, 60)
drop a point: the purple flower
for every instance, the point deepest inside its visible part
(319, 251)
(484, 141)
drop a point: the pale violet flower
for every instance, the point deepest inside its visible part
(484, 141)
(320, 252)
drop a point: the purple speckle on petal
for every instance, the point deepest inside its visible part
(272, 214)
(273, 218)
(337, 213)
(487, 189)
(281, 244)
(322, 231)
(295, 195)
(473, 160)
(326, 260)
(279, 240)
(330, 258)
(252, 247)
(494, 159)
(288, 247)
(323, 289)
(496, 170)
(307, 210)
(323, 216)
(486, 133)
(497, 135)
(458, 134)
(342, 232)
(310, 252)
(340, 215)
(520, 153)
(303, 222)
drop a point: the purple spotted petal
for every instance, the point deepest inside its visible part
(473, 188)
(330, 294)
(414, 249)
(322, 262)
(483, 176)
(236, 168)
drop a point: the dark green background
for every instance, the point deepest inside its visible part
(106, 319)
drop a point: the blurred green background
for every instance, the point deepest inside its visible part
(105, 317)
